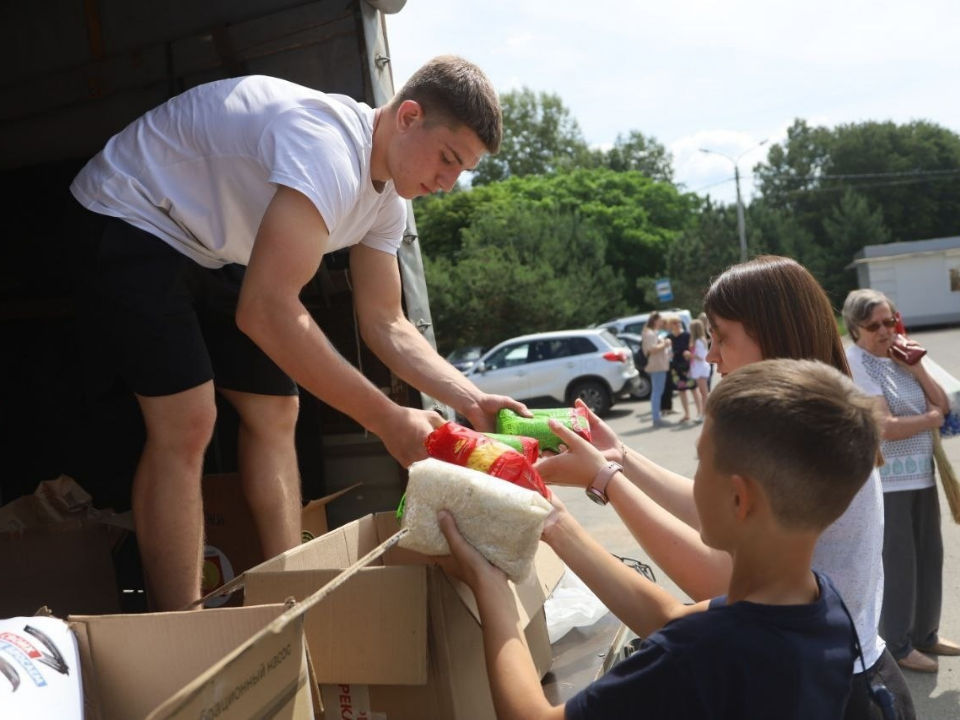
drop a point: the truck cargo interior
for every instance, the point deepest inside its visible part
(78, 72)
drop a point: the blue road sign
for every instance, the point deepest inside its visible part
(664, 291)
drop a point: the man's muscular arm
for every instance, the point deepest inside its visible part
(289, 247)
(394, 339)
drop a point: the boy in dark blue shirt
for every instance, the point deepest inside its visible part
(785, 447)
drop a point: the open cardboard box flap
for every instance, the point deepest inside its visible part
(313, 517)
(229, 662)
(383, 607)
(232, 543)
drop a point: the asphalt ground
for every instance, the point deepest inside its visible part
(936, 696)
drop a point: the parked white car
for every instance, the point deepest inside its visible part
(555, 368)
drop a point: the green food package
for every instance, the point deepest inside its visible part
(509, 423)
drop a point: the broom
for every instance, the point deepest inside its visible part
(951, 487)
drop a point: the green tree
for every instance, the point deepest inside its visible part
(698, 254)
(636, 217)
(849, 226)
(911, 173)
(522, 268)
(636, 151)
(540, 136)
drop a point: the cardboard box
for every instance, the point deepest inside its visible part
(224, 663)
(232, 545)
(68, 567)
(401, 630)
(57, 550)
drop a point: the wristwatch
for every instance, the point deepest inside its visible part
(598, 488)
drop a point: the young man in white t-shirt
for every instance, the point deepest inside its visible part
(210, 214)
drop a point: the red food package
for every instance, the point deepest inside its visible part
(527, 446)
(462, 446)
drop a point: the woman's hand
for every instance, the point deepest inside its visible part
(554, 519)
(602, 436)
(935, 416)
(579, 465)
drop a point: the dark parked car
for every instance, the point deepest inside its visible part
(634, 342)
(464, 358)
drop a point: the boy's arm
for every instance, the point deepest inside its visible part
(517, 693)
(289, 247)
(394, 339)
(698, 570)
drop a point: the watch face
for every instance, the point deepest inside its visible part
(596, 496)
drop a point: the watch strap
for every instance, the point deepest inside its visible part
(598, 488)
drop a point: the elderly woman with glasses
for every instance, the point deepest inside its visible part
(913, 406)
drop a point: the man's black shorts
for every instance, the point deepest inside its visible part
(165, 323)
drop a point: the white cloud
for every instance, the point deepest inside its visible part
(703, 73)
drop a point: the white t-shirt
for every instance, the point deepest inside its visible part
(199, 171)
(850, 552)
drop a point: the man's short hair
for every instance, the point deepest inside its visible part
(456, 93)
(802, 430)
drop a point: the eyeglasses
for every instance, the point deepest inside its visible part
(874, 326)
(640, 567)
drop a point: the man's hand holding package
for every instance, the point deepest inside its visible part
(483, 414)
(404, 434)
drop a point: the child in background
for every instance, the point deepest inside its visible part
(780, 643)
(699, 367)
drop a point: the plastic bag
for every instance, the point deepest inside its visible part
(571, 605)
(951, 386)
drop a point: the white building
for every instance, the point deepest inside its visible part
(922, 278)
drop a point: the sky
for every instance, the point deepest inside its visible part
(723, 76)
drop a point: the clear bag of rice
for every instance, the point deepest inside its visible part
(501, 520)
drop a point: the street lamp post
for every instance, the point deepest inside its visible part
(741, 225)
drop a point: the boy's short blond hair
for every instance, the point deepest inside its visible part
(802, 430)
(456, 93)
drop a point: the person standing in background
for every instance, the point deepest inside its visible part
(912, 405)
(700, 369)
(702, 317)
(680, 363)
(658, 363)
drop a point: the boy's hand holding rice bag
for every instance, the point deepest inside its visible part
(501, 520)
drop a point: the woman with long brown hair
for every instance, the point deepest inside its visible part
(769, 307)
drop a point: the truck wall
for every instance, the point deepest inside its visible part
(75, 74)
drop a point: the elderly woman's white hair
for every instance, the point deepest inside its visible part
(859, 306)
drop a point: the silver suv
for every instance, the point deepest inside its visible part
(556, 368)
(635, 323)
